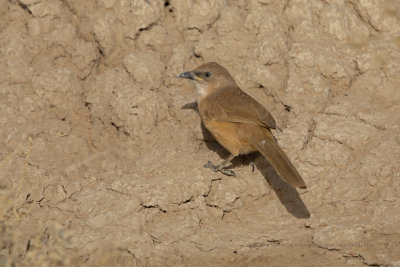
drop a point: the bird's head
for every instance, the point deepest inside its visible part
(208, 78)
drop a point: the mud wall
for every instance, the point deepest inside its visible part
(102, 152)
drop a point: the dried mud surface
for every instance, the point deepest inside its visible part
(102, 152)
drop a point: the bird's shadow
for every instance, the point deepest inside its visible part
(288, 195)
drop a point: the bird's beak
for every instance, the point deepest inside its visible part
(187, 75)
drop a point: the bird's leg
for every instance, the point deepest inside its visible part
(219, 168)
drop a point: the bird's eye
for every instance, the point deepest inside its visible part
(208, 74)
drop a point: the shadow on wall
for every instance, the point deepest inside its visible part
(288, 195)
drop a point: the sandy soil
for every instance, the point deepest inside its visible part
(102, 151)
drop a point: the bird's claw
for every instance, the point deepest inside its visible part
(252, 166)
(217, 169)
(228, 172)
(211, 166)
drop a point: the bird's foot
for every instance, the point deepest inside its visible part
(219, 169)
(228, 172)
(252, 166)
(211, 166)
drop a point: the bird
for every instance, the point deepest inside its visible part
(237, 121)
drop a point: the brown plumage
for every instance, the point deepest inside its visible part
(237, 121)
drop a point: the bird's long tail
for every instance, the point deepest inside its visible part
(266, 144)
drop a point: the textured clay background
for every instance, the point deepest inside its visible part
(102, 151)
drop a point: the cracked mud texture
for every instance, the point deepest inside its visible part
(102, 151)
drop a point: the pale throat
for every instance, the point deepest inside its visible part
(201, 89)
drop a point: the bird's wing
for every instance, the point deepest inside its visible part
(234, 105)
